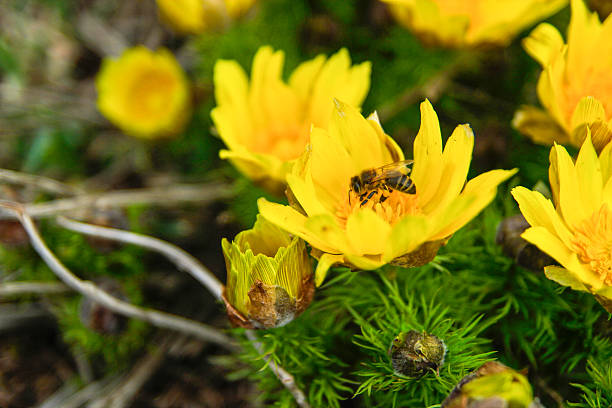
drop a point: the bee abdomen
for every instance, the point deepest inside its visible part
(401, 183)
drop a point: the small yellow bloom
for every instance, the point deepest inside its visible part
(392, 227)
(198, 16)
(144, 93)
(269, 277)
(577, 230)
(266, 123)
(494, 383)
(575, 86)
(468, 23)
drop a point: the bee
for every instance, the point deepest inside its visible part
(392, 176)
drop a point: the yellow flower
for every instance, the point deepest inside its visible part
(269, 277)
(392, 227)
(575, 86)
(144, 93)
(494, 383)
(266, 123)
(457, 23)
(198, 16)
(577, 230)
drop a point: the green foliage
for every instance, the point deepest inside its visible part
(599, 394)
(115, 349)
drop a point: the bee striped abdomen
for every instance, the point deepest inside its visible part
(401, 182)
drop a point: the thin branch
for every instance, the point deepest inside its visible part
(11, 289)
(163, 196)
(159, 319)
(284, 377)
(43, 183)
(188, 263)
(182, 260)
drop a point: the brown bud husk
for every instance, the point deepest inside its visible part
(414, 354)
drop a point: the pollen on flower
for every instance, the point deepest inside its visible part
(593, 243)
(391, 206)
(284, 142)
(595, 84)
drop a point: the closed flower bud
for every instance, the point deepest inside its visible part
(269, 277)
(492, 385)
(414, 354)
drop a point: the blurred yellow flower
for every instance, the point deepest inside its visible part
(266, 123)
(575, 86)
(468, 23)
(394, 227)
(577, 230)
(269, 277)
(144, 93)
(198, 16)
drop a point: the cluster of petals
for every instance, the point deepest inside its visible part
(145, 93)
(576, 227)
(575, 86)
(269, 277)
(198, 16)
(265, 122)
(405, 229)
(471, 23)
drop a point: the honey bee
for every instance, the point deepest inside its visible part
(392, 176)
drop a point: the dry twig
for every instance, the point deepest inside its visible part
(196, 193)
(159, 319)
(188, 263)
(43, 183)
(11, 289)
(176, 255)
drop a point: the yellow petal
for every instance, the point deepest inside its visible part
(331, 164)
(539, 126)
(553, 176)
(550, 244)
(544, 43)
(257, 166)
(476, 195)
(456, 163)
(338, 79)
(540, 212)
(357, 136)
(570, 202)
(587, 111)
(367, 233)
(294, 223)
(582, 35)
(326, 229)
(304, 76)
(325, 262)
(563, 277)
(304, 192)
(406, 236)
(605, 162)
(427, 155)
(589, 176)
(365, 262)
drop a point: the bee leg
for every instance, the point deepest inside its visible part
(367, 198)
(383, 198)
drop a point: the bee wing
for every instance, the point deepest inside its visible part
(400, 168)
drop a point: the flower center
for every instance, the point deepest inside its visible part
(391, 206)
(597, 85)
(286, 142)
(593, 243)
(153, 94)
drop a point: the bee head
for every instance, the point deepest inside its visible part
(356, 184)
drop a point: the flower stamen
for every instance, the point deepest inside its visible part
(593, 243)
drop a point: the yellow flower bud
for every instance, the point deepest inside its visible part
(494, 385)
(144, 93)
(269, 277)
